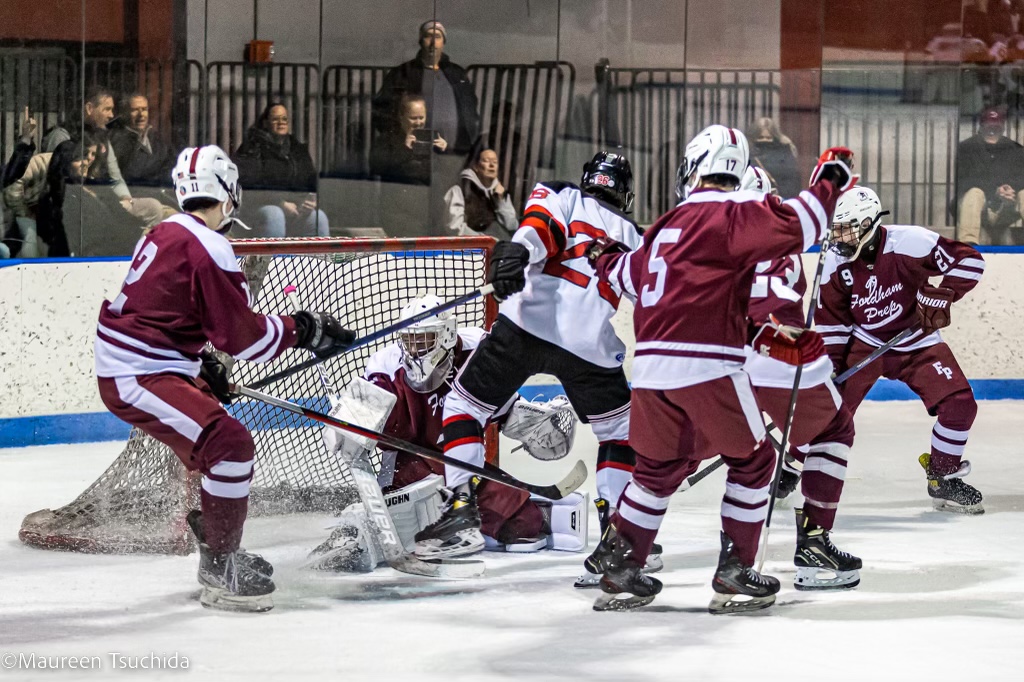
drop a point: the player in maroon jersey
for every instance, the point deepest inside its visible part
(419, 369)
(822, 429)
(876, 285)
(691, 279)
(184, 289)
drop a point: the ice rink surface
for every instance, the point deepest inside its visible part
(941, 597)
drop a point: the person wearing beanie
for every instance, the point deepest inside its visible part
(451, 101)
(990, 182)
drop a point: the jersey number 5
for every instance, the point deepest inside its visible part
(139, 266)
(657, 266)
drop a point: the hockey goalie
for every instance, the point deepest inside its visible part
(417, 370)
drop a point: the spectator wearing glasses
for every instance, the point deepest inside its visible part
(275, 161)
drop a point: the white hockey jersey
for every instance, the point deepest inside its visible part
(563, 302)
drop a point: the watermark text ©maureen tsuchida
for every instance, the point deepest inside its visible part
(113, 660)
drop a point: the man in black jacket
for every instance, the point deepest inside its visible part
(990, 182)
(144, 158)
(451, 100)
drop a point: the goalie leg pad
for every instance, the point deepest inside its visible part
(415, 507)
(568, 522)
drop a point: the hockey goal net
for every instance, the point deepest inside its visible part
(140, 502)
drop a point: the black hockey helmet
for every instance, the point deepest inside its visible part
(609, 177)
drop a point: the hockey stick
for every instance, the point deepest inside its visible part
(376, 508)
(556, 491)
(375, 336)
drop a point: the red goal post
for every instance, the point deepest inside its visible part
(140, 502)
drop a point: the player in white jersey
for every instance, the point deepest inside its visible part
(560, 324)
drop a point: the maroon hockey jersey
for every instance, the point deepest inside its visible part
(778, 290)
(416, 417)
(184, 288)
(875, 302)
(692, 276)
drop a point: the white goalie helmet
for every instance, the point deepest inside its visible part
(427, 345)
(757, 180)
(716, 150)
(855, 221)
(208, 173)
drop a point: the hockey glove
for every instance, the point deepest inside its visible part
(790, 345)
(601, 246)
(321, 333)
(836, 165)
(933, 304)
(215, 374)
(507, 269)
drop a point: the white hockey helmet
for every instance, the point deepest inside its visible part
(208, 173)
(757, 180)
(427, 345)
(855, 221)
(716, 150)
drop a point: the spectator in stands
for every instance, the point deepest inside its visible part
(144, 158)
(271, 158)
(441, 82)
(403, 152)
(97, 112)
(15, 168)
(990, 182)
(479, 204)
(37, 197)
(775, 153)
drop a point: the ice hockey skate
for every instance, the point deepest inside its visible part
(624, 585)
(597, 563)
(817, 558)
(232, 581)
(951, 493)
(457, 532)
(739, 588)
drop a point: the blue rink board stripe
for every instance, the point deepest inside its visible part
(92, 427)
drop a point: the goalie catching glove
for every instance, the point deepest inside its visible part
(321, 333)
(546, 429)
(791, 345)
(933, 307)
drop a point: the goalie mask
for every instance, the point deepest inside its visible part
(427, 346)
(715, 151)
(855, 222)
(208, 173)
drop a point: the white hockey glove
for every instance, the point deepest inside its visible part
(546, 429)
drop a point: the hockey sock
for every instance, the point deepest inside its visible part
(639, 517)
(745, 504)
(615, 464)
(223, 518)
(822, 482)
(956, 414)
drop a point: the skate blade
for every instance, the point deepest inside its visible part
(466, 545)
(810, 579)
(587, 581)
(621, 602)
(222, 600)
(954, 508)
(724, 604)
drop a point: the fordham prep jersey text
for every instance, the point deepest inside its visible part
(692, 278)
(875, 302)
(563, 302)
(417, 417)
(184, 288)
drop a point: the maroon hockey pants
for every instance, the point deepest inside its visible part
(174, 410)
(935, 376)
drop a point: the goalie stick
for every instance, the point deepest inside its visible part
(375, 336)
(555, 491)
(372, 497)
